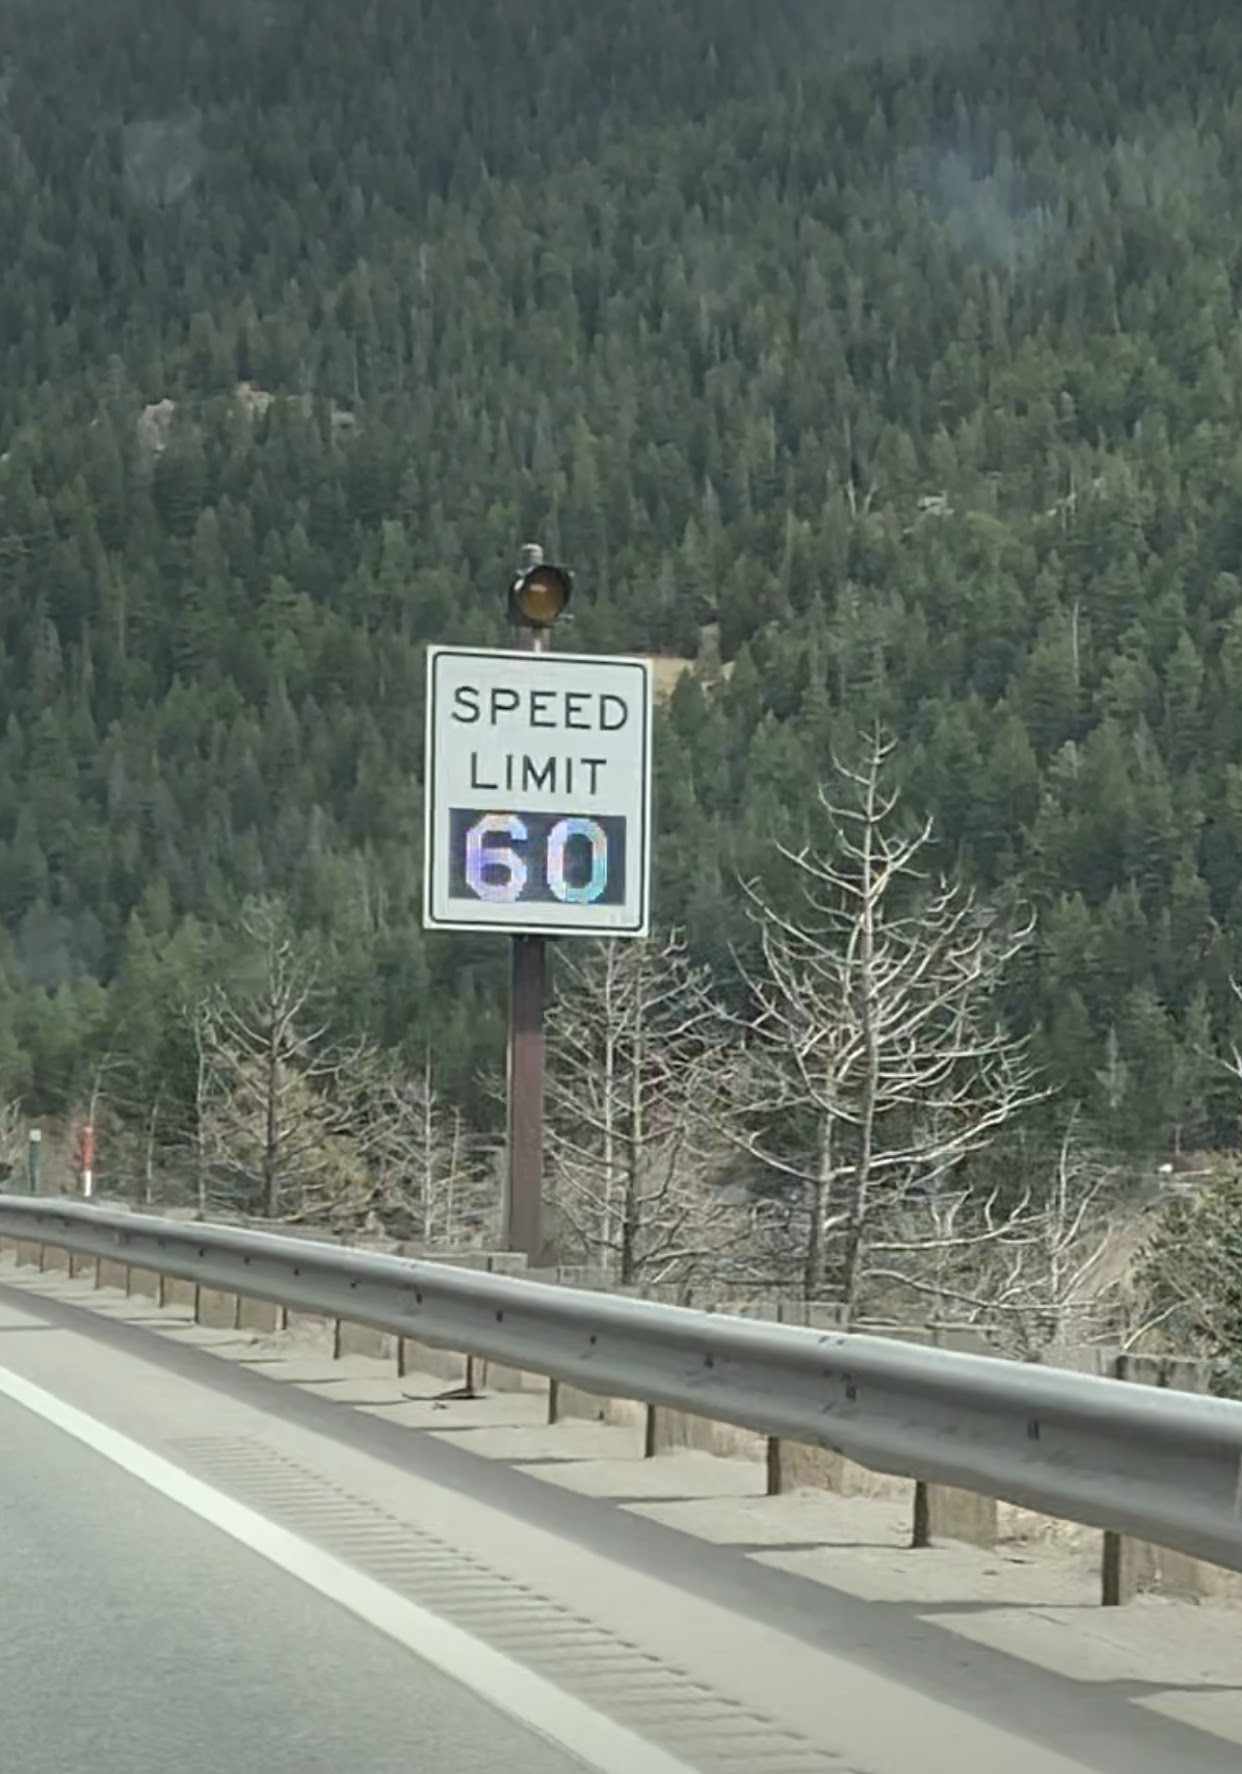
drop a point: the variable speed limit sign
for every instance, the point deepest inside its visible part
(538, 793)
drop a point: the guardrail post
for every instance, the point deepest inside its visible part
(775, 1467)
(921, 1533)
(1116, 1569)
(553, 1400)
(1113, 1585)
(946, 1512)
(1128, 1565)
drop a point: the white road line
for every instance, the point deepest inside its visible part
(596, 1740)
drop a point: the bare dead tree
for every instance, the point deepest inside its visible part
(199, 1019)
(150, 1143)
(109, 1099)
(1049, 1268)
(131, 1132)
(1189, 1281)
(269, 1122)
(1232, 1063)
(427, 1176)
(877, 1060)
(640, 1060)
(153, 1118)
(1189, 1276)
(12, 1138)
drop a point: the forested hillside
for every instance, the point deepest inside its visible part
(885, 361)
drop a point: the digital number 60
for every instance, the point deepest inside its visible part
(508, 867)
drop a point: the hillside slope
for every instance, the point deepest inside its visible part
(907, 352)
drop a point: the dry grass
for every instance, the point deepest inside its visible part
(668, 671)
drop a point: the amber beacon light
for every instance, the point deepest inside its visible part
(539, 592)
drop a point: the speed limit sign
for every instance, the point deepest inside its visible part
(538, 793)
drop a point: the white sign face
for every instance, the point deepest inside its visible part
(538, 792)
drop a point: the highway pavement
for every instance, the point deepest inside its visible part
(135, 1638)
(156, 1611)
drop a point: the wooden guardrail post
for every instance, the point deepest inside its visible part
(1116, 1568)
(944, 1511)
(921, 1526)
(1128, 1565)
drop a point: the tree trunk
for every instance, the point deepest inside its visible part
(454, 1165)
(200, 1129)
(813, 1255)
(428, 1163)
(634, 1151)
(629, 1217)
(148, 1157)
(860, 1186)
(612, 1222)
(271, 1133)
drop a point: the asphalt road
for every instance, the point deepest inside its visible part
(136, 1638)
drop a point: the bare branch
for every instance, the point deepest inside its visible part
(875, 1062)
(1190, 1270)
(640, 1062)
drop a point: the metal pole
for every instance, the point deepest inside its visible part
(527, 998)
(34, 1152)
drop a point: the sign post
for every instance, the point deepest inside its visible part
(538, 824)
(522, 1220)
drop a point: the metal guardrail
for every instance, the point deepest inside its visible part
(1162, 1466)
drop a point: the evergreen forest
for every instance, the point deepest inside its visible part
(867, 364)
